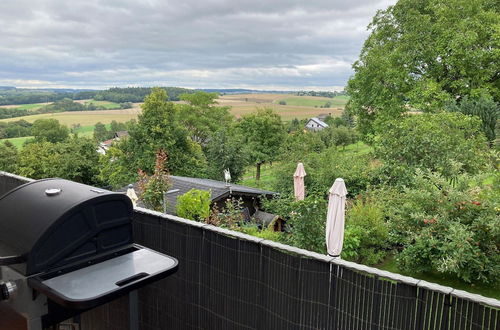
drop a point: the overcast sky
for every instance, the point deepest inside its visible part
(258, 44)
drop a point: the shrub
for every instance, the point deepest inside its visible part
(307, 224)
(194, 205)
(230, 216)
(8, 157)
(365, 222)
(445, 226)
(338, 136)
(268, 234)
(152, 188)
(352, 242)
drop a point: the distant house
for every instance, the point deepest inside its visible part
(315, 124)
(121, 134)
(104, 146)
(219, 193)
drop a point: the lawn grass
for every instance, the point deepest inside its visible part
(358, 148)
(267, 177)
(390, 265)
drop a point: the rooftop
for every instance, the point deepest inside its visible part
(219, 190)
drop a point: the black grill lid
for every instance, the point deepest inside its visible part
(52, 222)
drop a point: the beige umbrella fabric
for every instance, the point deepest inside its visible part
(298, 182)
(335, 218)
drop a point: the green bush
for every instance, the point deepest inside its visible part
(338, 136)
(352, 242)
(445, 226)
(365, 222)
(194, 205)
(229, 216)
(264, 233)
(307, 224)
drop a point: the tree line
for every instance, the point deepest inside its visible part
(9, 96)
(320, 93)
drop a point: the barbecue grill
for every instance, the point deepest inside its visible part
(66, 247)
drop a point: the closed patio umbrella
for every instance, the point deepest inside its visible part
(132, 195)
(335, 218)
(298, 182)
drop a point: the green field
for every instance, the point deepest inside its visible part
(313, 101)
(84, 118)
(105, 104)
(88, 131)
(29, 107)
(84, 131)
(18, 142)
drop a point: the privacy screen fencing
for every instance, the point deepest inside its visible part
(232, 281)
(228, 280)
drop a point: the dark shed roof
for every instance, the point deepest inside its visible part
(218, 189)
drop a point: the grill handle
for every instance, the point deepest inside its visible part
(12, 260)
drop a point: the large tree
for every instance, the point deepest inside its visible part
(202, 116)
(263, 132)
(446, 143)
(226, 150)
(423, 53)
(74, 159)
(49, 130)
(158, 127)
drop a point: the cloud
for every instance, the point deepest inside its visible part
(208, 43)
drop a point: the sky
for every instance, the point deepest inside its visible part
(258, 44)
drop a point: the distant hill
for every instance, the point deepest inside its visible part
(12, 95)
(241, 91)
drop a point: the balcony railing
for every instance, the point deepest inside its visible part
(228, 280)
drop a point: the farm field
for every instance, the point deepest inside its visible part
(314, 101)
(35, 106)
(29, 107)
(302, 107)
(84, 118)
(241, 104)
(106, 104)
